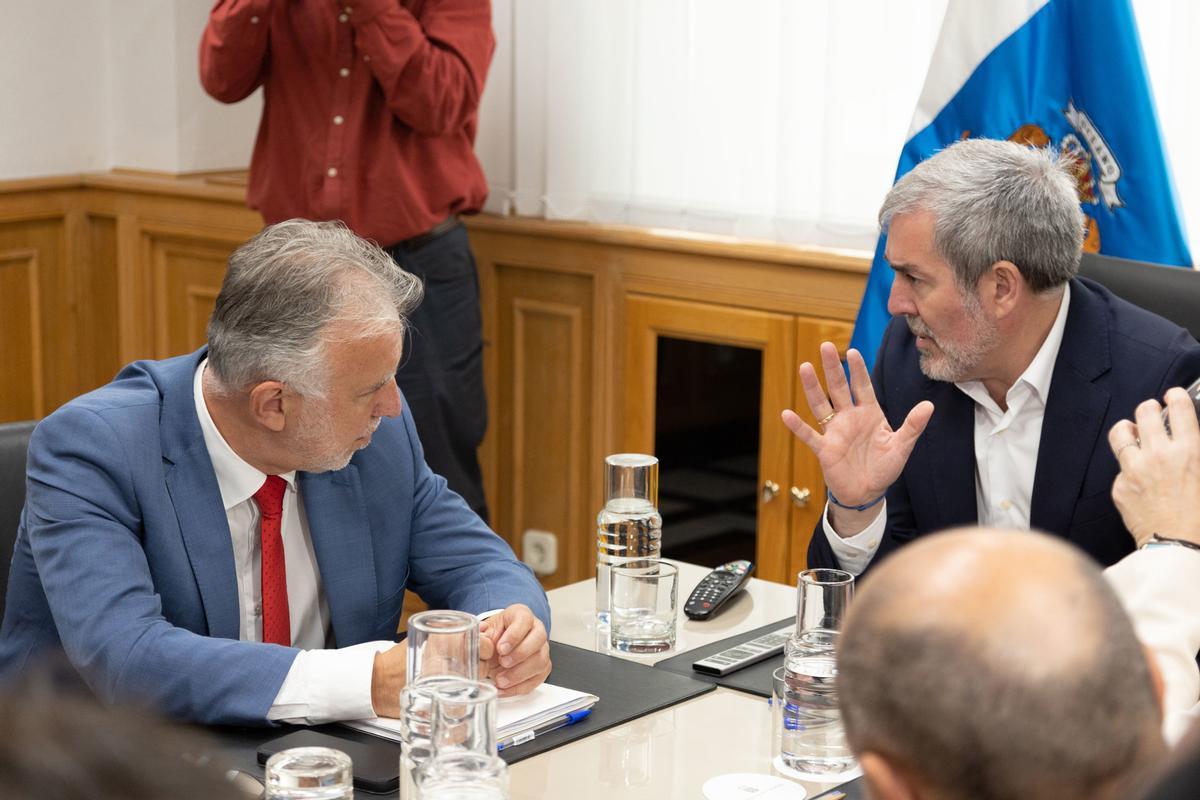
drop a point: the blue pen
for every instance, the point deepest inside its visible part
(546, 727)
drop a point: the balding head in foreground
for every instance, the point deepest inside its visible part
(991, 664)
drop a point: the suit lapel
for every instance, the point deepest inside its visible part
(951, 449)
(341, 537)
(192, 485)
(1075, 413)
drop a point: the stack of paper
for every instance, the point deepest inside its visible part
(514, 715)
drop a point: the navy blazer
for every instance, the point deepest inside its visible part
(1113, 356)
(124, 558)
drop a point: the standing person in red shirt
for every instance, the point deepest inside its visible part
(369, 116)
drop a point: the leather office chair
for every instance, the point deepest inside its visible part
(1170, 292)
(14, 445)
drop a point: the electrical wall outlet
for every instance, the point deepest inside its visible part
(539, 549)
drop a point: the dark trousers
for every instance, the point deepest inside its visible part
(441, 368)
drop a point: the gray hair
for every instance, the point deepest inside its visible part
(284, 289)
(995, 201)
(987, 715)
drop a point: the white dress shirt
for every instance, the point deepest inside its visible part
(1160, 589)
(323, 684)
(1006, 450)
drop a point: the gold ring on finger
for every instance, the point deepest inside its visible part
(1117, 452)
(823, 421)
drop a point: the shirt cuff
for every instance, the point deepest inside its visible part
(328, 685)
(855, 552)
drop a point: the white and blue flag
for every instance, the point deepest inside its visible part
(1068, 74)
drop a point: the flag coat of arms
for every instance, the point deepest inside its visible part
(1067, 74)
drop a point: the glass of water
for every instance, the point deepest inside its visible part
(808, 727)
(310, 773)
(464, 718)
(807, 735)
(418, 713)
(464, 776)
(443, 643)
(643, 595)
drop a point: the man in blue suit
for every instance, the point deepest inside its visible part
(999, 375)
(228, 535)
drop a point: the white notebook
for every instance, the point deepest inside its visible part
(514, 715)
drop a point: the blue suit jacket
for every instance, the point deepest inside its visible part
(124, 558)
(1113, 356)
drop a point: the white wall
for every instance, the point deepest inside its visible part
(90, 85)
(53, 87)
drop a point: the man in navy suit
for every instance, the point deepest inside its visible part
(228, 535)
(999, 375)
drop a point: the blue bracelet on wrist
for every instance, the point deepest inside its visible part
(863, 507)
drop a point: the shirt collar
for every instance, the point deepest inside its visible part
(1040, 370)
(237, 480)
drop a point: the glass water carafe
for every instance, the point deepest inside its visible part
(629, 526)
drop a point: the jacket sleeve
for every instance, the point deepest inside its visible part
(84, 523)
(431, 68)
(455, 560)
(234, 49)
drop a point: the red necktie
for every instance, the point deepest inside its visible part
(276, 623)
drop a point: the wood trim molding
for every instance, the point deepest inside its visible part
(854, 261)
(27, 260)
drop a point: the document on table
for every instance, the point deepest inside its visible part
(514, 715)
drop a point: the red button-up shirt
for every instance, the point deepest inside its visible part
(370, 106)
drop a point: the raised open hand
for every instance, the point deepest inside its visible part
(860, 454)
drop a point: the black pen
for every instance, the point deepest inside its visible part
(553, 725)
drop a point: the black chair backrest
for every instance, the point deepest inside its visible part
(1170, 292)
(14, 446)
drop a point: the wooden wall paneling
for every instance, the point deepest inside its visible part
(542, 412)
(96, 305)
(730, 281)
(39, 245)
(21, 387)
(135, 296)
(806, 472)
(186, 267)
(648, 318)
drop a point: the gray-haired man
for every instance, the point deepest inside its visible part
(999, 375)
(228, 535)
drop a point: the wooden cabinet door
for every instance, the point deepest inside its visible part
(806, 490)
(648, 318)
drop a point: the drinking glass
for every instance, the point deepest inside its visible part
(418, 716)
(643, 595)
(822, 598)
(464, 718)
(464, 776)
(808, 727)
(807, 732)
(310, 773)
(443, 643)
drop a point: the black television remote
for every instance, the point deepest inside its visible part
(716, 588)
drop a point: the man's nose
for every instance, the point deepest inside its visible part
(389, 404)
(900, 299)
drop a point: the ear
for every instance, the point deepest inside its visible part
(885, 781)
(1001, 288)
(1160, 687)
(269, 406)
